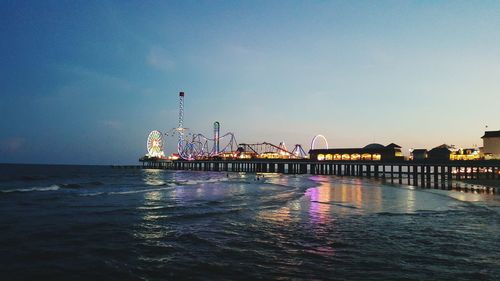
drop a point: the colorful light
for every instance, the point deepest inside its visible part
(155, 144)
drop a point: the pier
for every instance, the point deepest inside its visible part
(423, 174)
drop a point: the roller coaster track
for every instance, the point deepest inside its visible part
(202, 147)
(264, 147)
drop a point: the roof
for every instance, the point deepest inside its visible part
(374, 146)
(419, 150)
(351, 150)
(345, 151)
(440, 149)
(393, 145)
(491, 134)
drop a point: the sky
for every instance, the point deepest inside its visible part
(84, 82)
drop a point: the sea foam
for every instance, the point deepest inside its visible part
(37, 188)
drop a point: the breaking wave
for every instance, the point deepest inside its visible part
(46, 188)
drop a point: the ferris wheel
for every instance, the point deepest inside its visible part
(314, 141)
(155, 144)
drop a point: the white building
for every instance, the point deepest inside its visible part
(491, 144)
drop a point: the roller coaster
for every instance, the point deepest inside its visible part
(269, 150)
(198, 146)
(225, 147)
(202, 147)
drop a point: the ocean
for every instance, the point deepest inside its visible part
(100, 223)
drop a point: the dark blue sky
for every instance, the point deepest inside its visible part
(85, 81)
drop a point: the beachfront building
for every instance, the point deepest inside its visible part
(446, 152)
(491, 145)
(440, 153)
(371, 152)
(466, 154)
(418, 154)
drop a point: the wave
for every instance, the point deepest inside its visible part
(79, 185)
(70, 185)
(193, 182)
(425, 213)
(335, 204)
(46, 188)
(164, 186)
(205, 214)
(155, 183)
(53, 187)
(128, 191)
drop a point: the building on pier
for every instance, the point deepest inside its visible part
(466, 154)
(371, 152)
(440, 153)
(491, 144)
(418, 154)
(446, 152)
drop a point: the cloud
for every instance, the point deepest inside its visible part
(11, 145)
(159, 58)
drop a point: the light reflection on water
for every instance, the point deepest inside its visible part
(153, 177)
(164, 225)
(225, 226)
(319, 209)
(410, 202)
(210, 212)
(327, 195)
(342, 197)
(280, 216)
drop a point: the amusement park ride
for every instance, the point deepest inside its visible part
(197, 146)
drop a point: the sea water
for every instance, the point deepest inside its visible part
(99, 223)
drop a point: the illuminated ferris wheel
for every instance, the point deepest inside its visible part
(155, 144)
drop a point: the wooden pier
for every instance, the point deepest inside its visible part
(423, 174)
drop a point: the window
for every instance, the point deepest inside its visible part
(321, 157)
(346, 157)
(366, 156)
